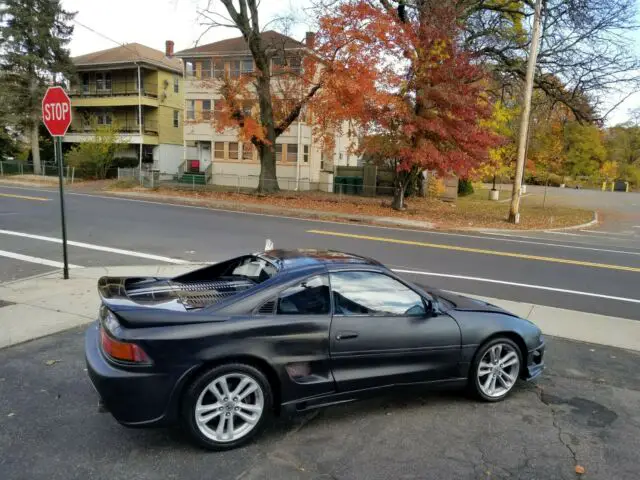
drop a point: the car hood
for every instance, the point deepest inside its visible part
(454, 301)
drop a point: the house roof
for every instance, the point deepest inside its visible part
(129, 53)
(271, 38)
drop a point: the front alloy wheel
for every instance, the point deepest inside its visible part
(496, 369)
(226, 406)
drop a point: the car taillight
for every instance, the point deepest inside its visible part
(124, 351)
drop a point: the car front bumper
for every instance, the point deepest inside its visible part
(535, 362)
(133, 395)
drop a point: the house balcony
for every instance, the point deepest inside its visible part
(129, 132)
(115, 93)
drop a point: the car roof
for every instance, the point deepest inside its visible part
(304, 258)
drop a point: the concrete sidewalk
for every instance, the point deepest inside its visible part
(46, 304)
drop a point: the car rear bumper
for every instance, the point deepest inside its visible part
(134, 398)
(535, 362)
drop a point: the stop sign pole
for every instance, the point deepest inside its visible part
(56, 115)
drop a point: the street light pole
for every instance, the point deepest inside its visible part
(514, 211)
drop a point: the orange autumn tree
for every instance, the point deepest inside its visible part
(402, 78)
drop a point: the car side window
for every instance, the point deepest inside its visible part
(374, 294)
(309, 297)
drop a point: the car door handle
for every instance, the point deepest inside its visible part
(346, 335)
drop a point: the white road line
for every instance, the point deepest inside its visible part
(101, 248)
(38, 260)
(522, 285)
(584, 235)
(604, 232)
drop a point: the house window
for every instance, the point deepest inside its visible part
(85, 83)
(247, 106)
(278, 152)
(305, 153)
(206, 69)
(234, 68)
(206, 109)
(217, 109)
(176, 84)
(247, 151)
(218, 68)
(103, 81)
(247, 65)
(176, 118)
(189, 68)
(292, 152)
(191, 109)
(295, 64)
(104, 118)
(218, 150)
(233, 150)
(141, 81)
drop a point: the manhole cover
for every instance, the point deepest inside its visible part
(4, 303)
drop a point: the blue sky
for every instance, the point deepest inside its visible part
(151, 22)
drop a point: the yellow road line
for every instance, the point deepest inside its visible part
(25, 197)
(478, 250)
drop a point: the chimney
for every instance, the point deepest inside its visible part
(310, 40)
(168, 48)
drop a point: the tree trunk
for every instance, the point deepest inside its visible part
(398, 197)
(494, 182)
(35, 149)
(268, 182)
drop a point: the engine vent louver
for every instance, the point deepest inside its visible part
(267, 308)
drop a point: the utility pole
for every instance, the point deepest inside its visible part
(514, 211)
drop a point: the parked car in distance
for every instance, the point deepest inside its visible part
(221, 348)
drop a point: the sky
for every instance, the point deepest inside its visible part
(152, 22)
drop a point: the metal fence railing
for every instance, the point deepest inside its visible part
(210, 181)
(47, 169)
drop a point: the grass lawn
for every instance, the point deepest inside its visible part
(474, 211)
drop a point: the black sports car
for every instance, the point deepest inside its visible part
(221, 348)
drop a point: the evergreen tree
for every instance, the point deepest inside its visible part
(33, 38)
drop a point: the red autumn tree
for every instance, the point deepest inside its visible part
(401, 76)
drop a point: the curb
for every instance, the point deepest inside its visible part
(593, 222)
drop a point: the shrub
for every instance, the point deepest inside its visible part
(465, 187)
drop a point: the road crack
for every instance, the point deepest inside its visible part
(539, 392)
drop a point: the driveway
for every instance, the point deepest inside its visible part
(585, 410)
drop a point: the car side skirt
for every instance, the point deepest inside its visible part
(303, 405)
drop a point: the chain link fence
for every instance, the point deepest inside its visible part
(341, 186)
(10, 168)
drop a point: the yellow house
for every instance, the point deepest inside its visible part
(137, 89)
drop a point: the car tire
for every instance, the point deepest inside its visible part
(495, 369)
(217, 412)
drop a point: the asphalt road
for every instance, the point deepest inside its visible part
(584, 410)
(595, 270)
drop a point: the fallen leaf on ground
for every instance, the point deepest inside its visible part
(51, 362)
(580, 470)
(11, 414)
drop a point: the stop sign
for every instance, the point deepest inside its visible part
(56, 111)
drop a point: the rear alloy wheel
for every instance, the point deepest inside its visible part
(496, 369)
(227, 406)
